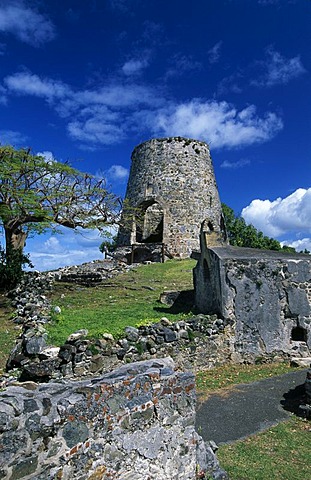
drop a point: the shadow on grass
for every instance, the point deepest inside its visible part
(293, 399)
(183, 304)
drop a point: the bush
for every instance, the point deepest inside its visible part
(12, 271)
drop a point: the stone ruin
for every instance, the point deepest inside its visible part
(172, 199)
(171, 191)
(137, 422)
(264, 295)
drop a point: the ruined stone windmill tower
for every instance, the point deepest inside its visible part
(172, 194)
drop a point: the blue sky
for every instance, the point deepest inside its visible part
(86, 81)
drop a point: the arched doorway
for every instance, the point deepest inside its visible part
(149, 222)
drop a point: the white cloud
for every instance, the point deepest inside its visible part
(48, 156)
(299, 245)
(283, 215)
(93, 131)
(218, 123)
(214, 52)
(25, 83)
(27, 24)
(278, 70)
(49, 252)
(134, 66)
(233, 165)
(110, 113)
(102, 116)
(11, 137)
(117, 173)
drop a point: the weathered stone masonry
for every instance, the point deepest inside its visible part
(135, 423)
(171, 191)
(266, 295)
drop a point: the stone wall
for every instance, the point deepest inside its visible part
(135, 423)
(199, 341)
(265, 294)
(172, 178)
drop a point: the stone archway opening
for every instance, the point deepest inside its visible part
(150, 223)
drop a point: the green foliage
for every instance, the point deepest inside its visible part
(11, 263)
(36, 194)
(242, 235)
(108, 244)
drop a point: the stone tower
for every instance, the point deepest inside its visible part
(171, 196)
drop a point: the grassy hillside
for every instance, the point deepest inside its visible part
(128, 299)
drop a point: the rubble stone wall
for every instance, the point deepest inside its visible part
(199, 341)
(135, 423)
(177, 176)
(265, 294)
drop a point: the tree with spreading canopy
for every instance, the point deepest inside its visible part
(37, 194)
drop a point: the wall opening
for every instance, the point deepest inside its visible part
(150, 223)
(299, 334)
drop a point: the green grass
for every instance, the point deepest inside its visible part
(128, 299)
(280, 453)
(229, 375)
(8, 331)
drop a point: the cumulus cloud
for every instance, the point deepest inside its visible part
(274, 69)
(117, 173)
(96, 131)
(26, 83)
(219, 123)
(299, 245)
(109, 113)
(278, 70)
(283, 215)
(47, 155)
(27, 24)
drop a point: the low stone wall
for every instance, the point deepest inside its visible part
(135, 423)
(266, 295)
(200, 341)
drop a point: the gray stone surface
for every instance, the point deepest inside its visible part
(171, 191)
(266, 296)
(135, 422)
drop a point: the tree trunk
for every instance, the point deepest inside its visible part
(15, 241)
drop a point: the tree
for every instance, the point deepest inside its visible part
(242, 235)
(36, 194)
